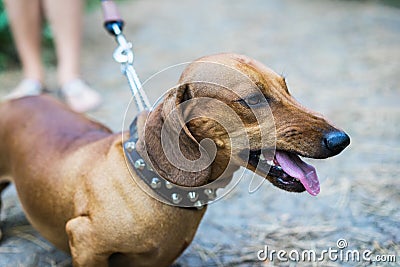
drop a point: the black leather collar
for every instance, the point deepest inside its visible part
(169, 193)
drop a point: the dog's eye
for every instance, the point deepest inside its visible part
(253, 101)
(256, 100)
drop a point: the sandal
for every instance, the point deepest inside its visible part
(27, 87)
(79, 96)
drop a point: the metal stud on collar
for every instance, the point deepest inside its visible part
(140, 164)
(168, 185)
(199, 204)
(176, 198)
(211, 194)
(130, 146)
(192, 196)
(155, 183)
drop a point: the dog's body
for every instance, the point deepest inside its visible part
(63, 175)
(76, 189)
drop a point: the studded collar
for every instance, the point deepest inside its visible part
(167, 192)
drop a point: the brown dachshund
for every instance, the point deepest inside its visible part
(78, 192)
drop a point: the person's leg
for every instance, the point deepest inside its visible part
(25, 20)
(65, 19)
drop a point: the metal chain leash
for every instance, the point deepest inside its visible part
(123, 54)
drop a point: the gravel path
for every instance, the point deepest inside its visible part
(341, 58)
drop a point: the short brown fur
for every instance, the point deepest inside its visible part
(77, 191)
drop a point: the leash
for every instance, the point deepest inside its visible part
(123, 54)
(167, 192)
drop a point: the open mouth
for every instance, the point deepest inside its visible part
(285, 170)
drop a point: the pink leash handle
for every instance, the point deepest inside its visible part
(113, 22)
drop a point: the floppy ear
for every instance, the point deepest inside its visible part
(173, 150)
(173, 115)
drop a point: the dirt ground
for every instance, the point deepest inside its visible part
(341, 58)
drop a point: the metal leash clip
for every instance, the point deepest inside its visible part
(123, 54)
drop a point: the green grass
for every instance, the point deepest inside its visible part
(8, 55)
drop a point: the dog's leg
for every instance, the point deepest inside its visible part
(82, 242)
(3, 185)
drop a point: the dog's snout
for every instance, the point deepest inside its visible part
(336, 141)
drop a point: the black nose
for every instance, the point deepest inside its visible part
(336, 141)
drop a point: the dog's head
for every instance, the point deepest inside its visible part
(247, 111)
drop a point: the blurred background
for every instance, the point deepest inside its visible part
(340, 58)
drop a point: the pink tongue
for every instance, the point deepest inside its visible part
(295, 167)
